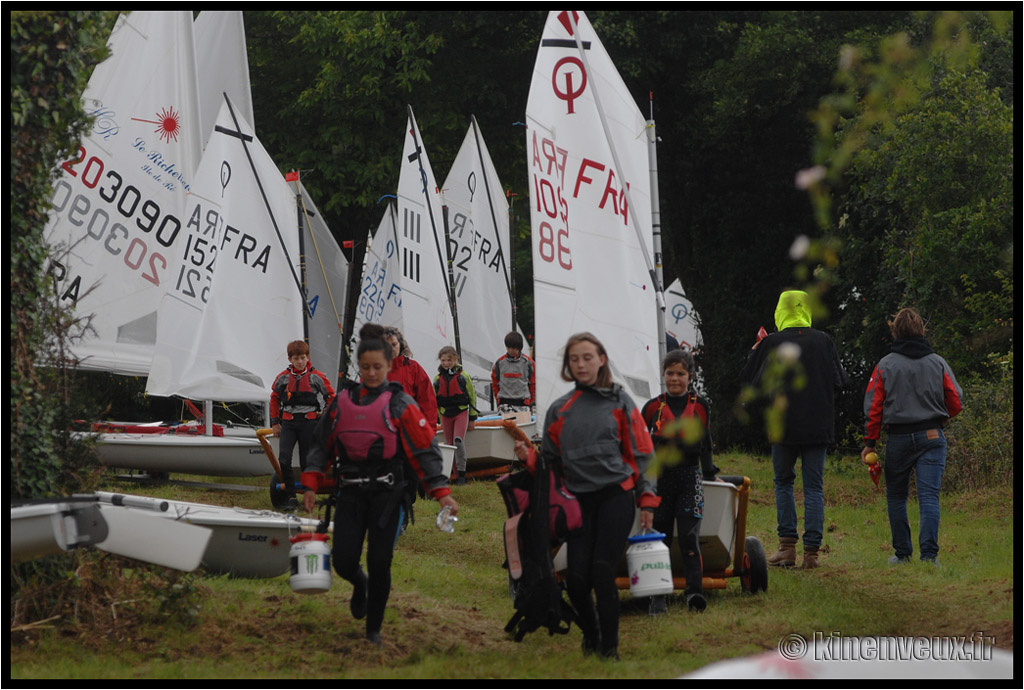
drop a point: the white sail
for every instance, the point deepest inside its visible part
(118, 209)
(590, 270)
(236, 300)
(426, 313)
(478, 234)
(380, 292)
(681, 319)
(325, 274)
(223, 67)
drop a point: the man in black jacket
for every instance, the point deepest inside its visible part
(799, 365)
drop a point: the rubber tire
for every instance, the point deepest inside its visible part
(756, 564)
(278, 496)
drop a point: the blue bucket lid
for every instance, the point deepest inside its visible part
(643, 538)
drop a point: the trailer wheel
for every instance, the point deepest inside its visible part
(278, 496)
(755, 566)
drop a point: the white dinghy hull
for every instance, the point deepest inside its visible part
(217, 456)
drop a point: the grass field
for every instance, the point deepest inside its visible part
(450, 602)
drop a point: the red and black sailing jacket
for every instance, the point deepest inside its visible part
(299, 395)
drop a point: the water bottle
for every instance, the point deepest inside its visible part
(445, 520)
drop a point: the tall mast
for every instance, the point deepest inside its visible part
(652, 156)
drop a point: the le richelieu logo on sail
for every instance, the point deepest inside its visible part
(156, 163)
(125, 218)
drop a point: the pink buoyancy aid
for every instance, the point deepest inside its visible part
(365, 432)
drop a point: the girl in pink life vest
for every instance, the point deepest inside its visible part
(456, 405)
(595, 438)
(369, 434)
(680, 422)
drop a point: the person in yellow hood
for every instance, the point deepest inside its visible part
(801, 364)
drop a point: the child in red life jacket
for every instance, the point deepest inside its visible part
(370, 433)
(297, 397)
(456, 405)
(680, 423)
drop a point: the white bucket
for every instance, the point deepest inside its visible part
(311, 563)
(649, 565)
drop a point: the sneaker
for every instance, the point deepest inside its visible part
(461, 479)
(696, 602)
(930, 559)
(657, 607)
(897, 560)
(374, 637)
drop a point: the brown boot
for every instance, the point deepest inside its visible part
(786, 555)
(810, 557)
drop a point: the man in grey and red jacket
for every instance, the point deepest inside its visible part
(912, 394)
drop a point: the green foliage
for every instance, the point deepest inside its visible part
(52, 54)
(103, 594)
(981, 439)
(940, 186)
(915, 183)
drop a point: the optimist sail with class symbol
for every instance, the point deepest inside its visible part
(590, 209)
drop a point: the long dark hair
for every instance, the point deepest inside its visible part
(371, 339)
(604, 374)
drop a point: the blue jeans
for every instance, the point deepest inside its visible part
(812, 468)
(924, 453)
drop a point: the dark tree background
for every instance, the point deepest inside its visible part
(732, 93)
(908, 117)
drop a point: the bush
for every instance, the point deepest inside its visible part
(108, 596)
(981, 438)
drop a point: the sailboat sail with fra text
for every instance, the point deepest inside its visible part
(118, 209)
(591, 219)
(238, 293)
(230, 451)
(478, 242)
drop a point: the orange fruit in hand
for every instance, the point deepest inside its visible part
(871, 458)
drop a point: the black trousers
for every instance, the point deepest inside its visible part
(593, 555)
(682, 505)
(373, 516)
(294, 431)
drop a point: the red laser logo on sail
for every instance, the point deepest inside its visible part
(168, 124)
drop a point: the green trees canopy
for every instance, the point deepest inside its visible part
(909, 116)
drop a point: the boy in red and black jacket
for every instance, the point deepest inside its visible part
(298, 396)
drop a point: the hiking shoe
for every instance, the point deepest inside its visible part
(786, 555)
(898, 560)
(461, 479)
(810, 558)
(696, 602)
(657, 607)
(358, 603)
